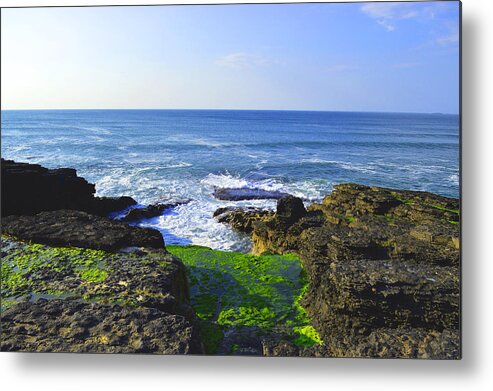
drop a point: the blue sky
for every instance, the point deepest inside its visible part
(400, 57)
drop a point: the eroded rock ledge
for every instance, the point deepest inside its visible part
(80, 229)
(383, 266)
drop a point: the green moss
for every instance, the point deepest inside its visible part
(235, 290)
(398, 197)
(30, 267)
(30, 271)
(453, 222)
(212, 335)
(234, 348)
(439, 207)
(307, 336)
(248, 316)
(350, 219)
(93, 275)
(205, 305)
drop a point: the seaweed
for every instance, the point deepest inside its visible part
(232, 290)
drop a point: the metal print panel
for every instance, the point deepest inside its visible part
(255, 179)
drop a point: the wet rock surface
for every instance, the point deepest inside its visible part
(242, 194)
(28, 189)
(80, 229)
(383, 267)
(241, 219)
(149, 211)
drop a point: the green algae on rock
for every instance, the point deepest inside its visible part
(115, 285)
(243, 298)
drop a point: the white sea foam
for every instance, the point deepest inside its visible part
(365, 168)
(226, 180)
(454, 179)
(193, 223)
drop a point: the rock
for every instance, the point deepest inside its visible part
(80, 229)
(103, 206)
(148, 211)
(241, 194)
(242, 219)
(82, 327)
(290, 209)
(28, 189)
(383, 267)
(81, 300)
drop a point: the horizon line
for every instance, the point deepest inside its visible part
(209, 109)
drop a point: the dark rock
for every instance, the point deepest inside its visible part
(290, 209)
(241, 194)
(103, 206)
(242, 219)
(383, 267)
(72, 326)
(149, 211)
(80, 229)
(28, 189)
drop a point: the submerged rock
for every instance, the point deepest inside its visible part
(80, 229)
(242, 194)
(383, 266)
(28, 189)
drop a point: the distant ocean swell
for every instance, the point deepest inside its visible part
(157, 156)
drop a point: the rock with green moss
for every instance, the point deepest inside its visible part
(115, 285)
(381, 262)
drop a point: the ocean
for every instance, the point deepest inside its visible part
(171, 155)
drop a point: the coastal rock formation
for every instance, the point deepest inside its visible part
(242, 194)
(241, 219)
(73, 299)
(383, 267)
(71, 296)
(148, 211)
(28, 189)
(80, 229)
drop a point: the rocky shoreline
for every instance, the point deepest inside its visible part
(76, 281)
(383, 270)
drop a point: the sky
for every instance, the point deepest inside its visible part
(393, 57)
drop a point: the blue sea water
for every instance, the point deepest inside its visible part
(162, 155)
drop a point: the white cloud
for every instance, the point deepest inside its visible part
(447, 39)
(387, 14)
(386, 24)
(242, 60)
